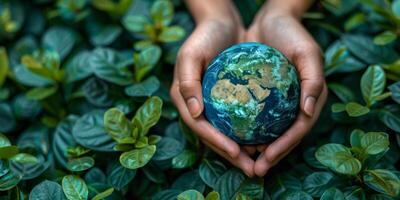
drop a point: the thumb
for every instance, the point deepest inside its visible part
(309, 65)
(189, 76)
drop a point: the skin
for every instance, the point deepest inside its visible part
(219, 26)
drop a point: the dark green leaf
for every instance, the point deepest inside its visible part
(41, 93)
(167, 148)
(228, 183)
(103, 194)
(78, 67)
(316, 183)
(144, 89)
(210, 171)
(333, 194)
(7, 119)
(383, 181)
(295, 195)
(97, 92)
(149, 113)
(390, 120)
(341, 91)
(60, 39)
(395, 90)
(119, 176)
(47, 190)
(108, 65)
(63, 139)
(364, 48)
(89, 132)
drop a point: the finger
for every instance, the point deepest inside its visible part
(243, 161)
(262, 166)
(189, 69)
(202, 128)
(309, 66)
(249, 149)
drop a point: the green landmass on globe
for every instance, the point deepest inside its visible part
(251, 93)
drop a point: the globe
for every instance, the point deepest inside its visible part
(251, 93)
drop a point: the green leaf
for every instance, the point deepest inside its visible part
(142, 142)
(172, 34)
(316, 183)
(4, 141)
(144, 89)
(117, 125)
(338, 107)
(113, 8)
(338, 158)
(295, 195)
(63, 139)
(60, 39)
(189, 180)
(251, 188)
(119, 176)
(4, 68)
(135, 23)
(154, 139)
(108, 65)
(74, 188)
(190, 195)
(47, 190)
(355, 138)
(210, 171)
(385, 38)
(212, 196)
(354, 109)
(8, 152)
(137, 158)
(95, 175)
(363, 47)
(41, 93)
(105, 35)
(168, 148)
(97, 92)
(8, 178)
(24, 158)
(396, 8)
(80, 164)
(89, 132)
(103, 194)
(185, 159)
(389, 119)
(333, 194)
(78, 67)
(162, 12)
(149, 113)
(375, 142)
(228, 183)
(146, 61)
(372, 83)
(383, 181)
(354, 21)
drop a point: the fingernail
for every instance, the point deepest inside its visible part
(194, 106)
(309, 106)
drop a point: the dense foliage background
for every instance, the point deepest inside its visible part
(85, 111)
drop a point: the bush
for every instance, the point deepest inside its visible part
(85, 111)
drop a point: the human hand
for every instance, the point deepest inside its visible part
(284, 31)
(210, 37)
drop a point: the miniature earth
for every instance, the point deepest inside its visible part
(251, 93)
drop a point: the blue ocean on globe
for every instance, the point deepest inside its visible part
(251, 93)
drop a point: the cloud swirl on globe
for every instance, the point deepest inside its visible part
(251, 93)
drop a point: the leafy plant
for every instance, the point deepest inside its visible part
(85, 111)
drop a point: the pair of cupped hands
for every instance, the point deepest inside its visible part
(281, 30)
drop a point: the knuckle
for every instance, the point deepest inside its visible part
(187, 86)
